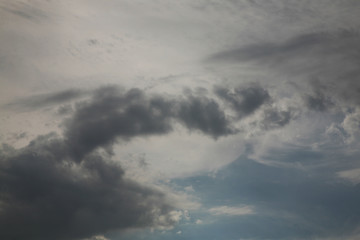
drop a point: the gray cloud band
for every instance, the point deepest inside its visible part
(324, 64)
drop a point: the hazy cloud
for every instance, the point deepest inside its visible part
(329, 57)
(25, 10)
(318, 102)
(274, 118)
(44, 100)
(310, 43)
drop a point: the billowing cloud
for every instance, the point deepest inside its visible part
(47, 194)
(71, 188)
(205, 115)
(113, 114)
(83, 190)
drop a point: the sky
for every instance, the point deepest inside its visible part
(181, 120)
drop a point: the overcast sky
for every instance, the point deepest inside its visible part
(192, 119)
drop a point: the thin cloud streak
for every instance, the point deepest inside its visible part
(232, 211)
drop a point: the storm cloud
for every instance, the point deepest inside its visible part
(113, 115)
(47, 194)
(205, 115)
(67, 187)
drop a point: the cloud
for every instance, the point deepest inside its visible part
(323, 63)
(26, 11)
(243, 100)
(350, 125)
(204, 114)
(317, 102)
(352, 175)
(99, 237)
(114, 114)
(45, 100)
(65, 109)
(70, 186)
(198, 221)
(47, 194)
(232, 211)
(308, 43)
(275, 118)
(63, 188)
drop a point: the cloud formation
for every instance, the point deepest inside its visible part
(114, 114)
(47, 194)
(205, 115)
(70, 187)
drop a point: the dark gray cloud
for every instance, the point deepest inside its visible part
(113, 114)
(318, 102)
(243, 100)
(204, 114)
(48, 196)
(62, 188)
(44, 100)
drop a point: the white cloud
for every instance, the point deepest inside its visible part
(232, 211)
(189, 189)
(98, 237)
(179, 154)
(186, 215)
(351, 125)
(198, 221)
(352, 175)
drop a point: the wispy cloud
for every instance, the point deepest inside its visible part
(232, 211)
